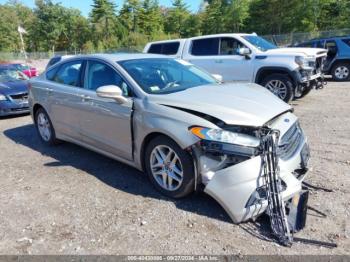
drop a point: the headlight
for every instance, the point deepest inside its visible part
(304, 62)
(3, 98)
(223, 136)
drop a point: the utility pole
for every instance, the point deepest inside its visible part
(21, 31)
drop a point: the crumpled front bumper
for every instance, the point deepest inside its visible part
(236, 187)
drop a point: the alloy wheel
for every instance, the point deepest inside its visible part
(166, 168)
(278, 88)
(44, 127)
(342, 72)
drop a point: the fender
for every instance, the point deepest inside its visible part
(277, 69)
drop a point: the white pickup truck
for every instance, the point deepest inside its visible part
(287, 72)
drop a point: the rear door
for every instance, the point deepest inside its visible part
(105, 124)
(219, 55)
(63, 99)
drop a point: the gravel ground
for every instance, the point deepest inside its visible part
(68, 200)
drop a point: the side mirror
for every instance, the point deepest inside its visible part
(244, 52)
(113, 92)
(217, 77)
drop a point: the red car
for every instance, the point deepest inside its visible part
(27, 70)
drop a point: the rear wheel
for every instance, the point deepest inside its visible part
(341, 71)
(45, 128)
(169, 168)
(280, 85)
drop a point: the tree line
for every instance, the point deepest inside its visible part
(52, 27)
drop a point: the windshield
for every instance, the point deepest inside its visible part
(21, 67)
(11, 75)
(164, 75)
(259, 42)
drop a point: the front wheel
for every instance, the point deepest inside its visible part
(169, 168)
(300, 94)
(341, 72)
(280, 85)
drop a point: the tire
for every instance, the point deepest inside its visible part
(276, 82)
(161, 176)
(45, 128)
(341, 71)
(306, 91)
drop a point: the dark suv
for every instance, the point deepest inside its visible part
(337, 63)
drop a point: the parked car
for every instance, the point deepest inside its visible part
(287, 72)
(26, 69)
(337, 63)
(13, 92)
(57, 59)
(174, 121)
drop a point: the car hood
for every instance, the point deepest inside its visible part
(317, 52)
(16, 87)
(234, 103)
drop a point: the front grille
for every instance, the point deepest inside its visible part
(290, 142)
(20, 98)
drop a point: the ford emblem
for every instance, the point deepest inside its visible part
(286, 120)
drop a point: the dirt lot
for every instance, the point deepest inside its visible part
(68, 200)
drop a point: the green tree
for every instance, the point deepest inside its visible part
(105, 24)
(129, 15)
(150, 19)
(175, 18)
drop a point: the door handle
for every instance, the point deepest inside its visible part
(49, 89)
(218, 61)
(85, 97)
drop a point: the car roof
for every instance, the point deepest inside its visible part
(200, 37)
(327, 38)
(119, 57)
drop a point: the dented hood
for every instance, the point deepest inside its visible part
(241, 104)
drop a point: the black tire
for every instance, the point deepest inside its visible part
(341, 66)
(51, 140)
(287, 82)
(186, 187)
(306, 91)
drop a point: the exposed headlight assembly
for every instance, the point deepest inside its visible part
(304, 62)
(2, 97)
(227, 142)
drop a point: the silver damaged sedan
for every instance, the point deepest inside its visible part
(179, 125)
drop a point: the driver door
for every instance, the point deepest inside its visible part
(105, 124)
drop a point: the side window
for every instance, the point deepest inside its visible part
(331, 45)
(205, 47)
(69, 74)
(100, 74)
(346, 41)
(170, 48)
(319, 44)
(50, 74)
(155, 49)
(230, 46)
(164, 48)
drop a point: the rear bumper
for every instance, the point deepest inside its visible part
(8, 108)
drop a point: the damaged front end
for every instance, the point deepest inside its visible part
(250, 171)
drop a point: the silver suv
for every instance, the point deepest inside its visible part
(178, 124)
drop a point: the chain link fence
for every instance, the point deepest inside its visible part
(296, 38)
(280, 40)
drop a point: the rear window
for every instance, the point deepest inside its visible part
(205, 47)
(346, 41)
(164, 48)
